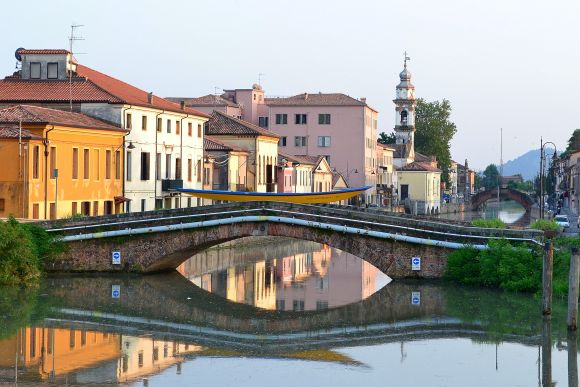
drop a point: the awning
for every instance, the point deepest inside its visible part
(121, 199)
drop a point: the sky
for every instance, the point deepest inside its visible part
(502, 64)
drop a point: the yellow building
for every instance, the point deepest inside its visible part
(419, 187)
(64, 164)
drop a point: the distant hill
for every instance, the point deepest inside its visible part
(528, 164)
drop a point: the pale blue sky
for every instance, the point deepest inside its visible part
(512, 64)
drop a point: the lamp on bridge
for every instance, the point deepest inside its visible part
(542, 162)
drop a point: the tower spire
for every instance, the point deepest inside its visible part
(406, 59)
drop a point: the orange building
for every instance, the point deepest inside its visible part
(58, 164)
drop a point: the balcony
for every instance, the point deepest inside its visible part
(168, 184)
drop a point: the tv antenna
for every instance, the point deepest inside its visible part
(260, 75)
(71, 39)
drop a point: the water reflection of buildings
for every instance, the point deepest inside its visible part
(80, 356)
(307, 279)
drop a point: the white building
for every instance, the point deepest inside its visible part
(164, 146)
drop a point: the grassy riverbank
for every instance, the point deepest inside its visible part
(23, 249)
(508, 267)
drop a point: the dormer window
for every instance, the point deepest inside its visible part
(35, 70)
(52, 70)
(404, 118)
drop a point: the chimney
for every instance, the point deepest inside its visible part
(182, 104)
(363, 100)
(149, 98)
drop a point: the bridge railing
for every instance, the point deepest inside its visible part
(336, 215)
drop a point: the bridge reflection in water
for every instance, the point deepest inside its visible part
(283, 274)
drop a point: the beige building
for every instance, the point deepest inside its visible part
(419, 187)
(386, 175)
(229, 165)
(261, 145)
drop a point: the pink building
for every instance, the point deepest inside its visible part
(334, 125)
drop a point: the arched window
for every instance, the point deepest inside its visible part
(404, 117)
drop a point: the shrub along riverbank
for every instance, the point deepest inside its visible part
(508, 267)
(23, 249)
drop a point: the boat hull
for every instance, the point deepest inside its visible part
(290, 197)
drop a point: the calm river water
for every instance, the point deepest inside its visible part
(509, 211)
(278, 312)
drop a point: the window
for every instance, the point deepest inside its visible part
(96, 208)
(52, 70)
(298, 305)
(35, 70)
(189, 129)
(206, 175)
(144, 122)
(118, 165)
(404, 117)
(97, 164)
(86, 163)
(143, 202)
(199, 170)
(158, 166)
(281, 119)
(2, 204)
(35, 211)
(263, 122)
(35, 161)
(168, 126)
(178, 168)
(128, 121)
(189, 169)
(300, 119)
(324, 119)
(327, 157)
(74, 210)
(129, 162)
(52, 162)
(168, 166)
(159, 124)
(75, 163)
(108, 207)
(199, 130)
(144, 165)
(107, 164)
(324, 141)
(86, 208)
(177, 127)
(300, 141)
(254, 95)
(283, 141)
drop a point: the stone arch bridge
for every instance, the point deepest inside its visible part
(506, 193)
(161, 240)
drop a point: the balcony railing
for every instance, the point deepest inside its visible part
(170, 184)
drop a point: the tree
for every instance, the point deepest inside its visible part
(490, 177)
(434, 132)
(385, 138)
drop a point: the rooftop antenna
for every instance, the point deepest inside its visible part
(260, 75)
(406, 59)
(215, 96)
(71, 39)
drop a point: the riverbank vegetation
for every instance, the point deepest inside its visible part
(545, 225)
(489, 223)
(23, 249)
(508, 267)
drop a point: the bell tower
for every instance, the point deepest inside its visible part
(405, 106)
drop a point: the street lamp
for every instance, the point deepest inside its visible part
(542, 162)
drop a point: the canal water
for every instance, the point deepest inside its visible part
(508, 210)
(280, 312)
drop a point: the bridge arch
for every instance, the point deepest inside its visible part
(506, 193)
(165, 251)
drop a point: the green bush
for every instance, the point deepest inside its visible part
(545, 225)
(489, 223)
(506, 267)
(23, 247)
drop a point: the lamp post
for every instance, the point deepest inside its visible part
(542, 162)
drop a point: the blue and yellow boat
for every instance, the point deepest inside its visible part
(291, 197)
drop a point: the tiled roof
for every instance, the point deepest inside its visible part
(316, 99)
(81, 89)
(213, 144)
(221, 123)
(47, 51)
(13, 131)
(40, 115)
(310, 159)
(206, 100)
(306, 160)
(423, 158)
(131, 94)
(390, 147)
(337, 176)
(420, 167)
